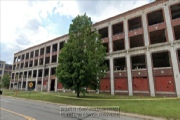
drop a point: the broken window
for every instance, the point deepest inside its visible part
(160, 59)
(155, 17)
(25, 75)
(47, 49)
(32, 54)
(17, 66)
(26, 64)
(61, 45)
(14, 67)
(22, 57)
(18, 58)
(41, 61)
(12, 75)
(103, 32)
(27, 55)
(47, 60)
(178, 51)
(53, 71)
(29, 74)
(135, 23)
(119, 64)
(22, 65)
(20, 75)
(30, 63)
(177, 32)
(138, 62)
(36, 53)
(42, 51)
(34, 73)
(40, 73)
(106, 62)
(35, 62)
(117, 28)
(46, 72)
(54, 58)
(136, 41)
(158, 36)
(54, 48)
(118, 45)
(15, 59)
(175, 11)
(106, 46)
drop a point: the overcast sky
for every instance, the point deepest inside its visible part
(27, 23)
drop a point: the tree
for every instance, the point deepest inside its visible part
(81, 61)
(6, 80)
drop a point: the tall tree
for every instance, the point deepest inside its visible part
(81, 60)
(6, 80)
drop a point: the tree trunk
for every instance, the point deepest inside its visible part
(78, 90)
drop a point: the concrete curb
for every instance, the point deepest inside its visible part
(145, 117)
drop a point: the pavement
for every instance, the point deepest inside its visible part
(20, 109)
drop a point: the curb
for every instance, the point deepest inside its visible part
(145, 117)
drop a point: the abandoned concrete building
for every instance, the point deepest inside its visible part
(143, 54)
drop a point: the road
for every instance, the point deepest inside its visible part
(22, 109)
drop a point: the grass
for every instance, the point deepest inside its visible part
(156, 106)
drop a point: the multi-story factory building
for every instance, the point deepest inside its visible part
(4, 69)
(143, 54)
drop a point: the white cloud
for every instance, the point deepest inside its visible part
(26, 23)
(67, 8)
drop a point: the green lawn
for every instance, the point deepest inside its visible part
(154, 106)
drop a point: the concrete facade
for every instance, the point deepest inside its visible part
(143, 54)
(4, 69)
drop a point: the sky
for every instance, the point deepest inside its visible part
(25, 23)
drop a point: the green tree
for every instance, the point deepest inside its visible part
(81, 61)
(6, 80)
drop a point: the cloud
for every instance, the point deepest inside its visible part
(28, 23)
(33, 24)
(101, 9)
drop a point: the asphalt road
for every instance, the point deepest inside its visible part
(21, 109)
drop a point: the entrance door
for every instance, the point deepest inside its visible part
(52, 84)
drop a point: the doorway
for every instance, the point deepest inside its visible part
(52, 84)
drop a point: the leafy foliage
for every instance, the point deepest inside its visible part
(6, 80)
(81, 60)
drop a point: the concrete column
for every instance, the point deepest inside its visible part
(150, 73)
(38, 57)
(42, 80)
(111, 67)
(24, 60)
(148, 56)
(44, 55)
(175, 70)
(33, 59)
(49, 79)
(128, 61)
(18, 81)
(168, 24)
(172, 51)
(29, 58)
(58, 51)
(14, 79)
(36, 88)
(50, 61)
(27, 77)
(22, 80)
(56, 82)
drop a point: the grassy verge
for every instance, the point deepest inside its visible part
(160, 107)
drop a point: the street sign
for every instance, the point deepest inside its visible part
(31, 85)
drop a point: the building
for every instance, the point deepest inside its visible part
(143, 54)
(4, 69)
